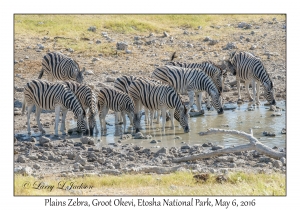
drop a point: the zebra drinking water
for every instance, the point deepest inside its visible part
(60, 67)
(88, 101)
(216, 72)
(49, 96)
(190, 81)
(157, 97)
(109, 98)
(251, 69)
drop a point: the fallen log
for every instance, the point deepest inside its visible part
(253, 145)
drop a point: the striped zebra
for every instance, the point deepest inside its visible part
(123, 83)
(110, 98)
(87, 98)
(216, 72)
(157, 97)
(249, 68)
(60, 67)
(49, 96)
(190, 81)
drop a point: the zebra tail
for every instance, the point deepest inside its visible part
(173, 56)
(41, 74)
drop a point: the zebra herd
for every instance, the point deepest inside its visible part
(159, 93)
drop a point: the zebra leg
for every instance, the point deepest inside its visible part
(199, 100)
(254, 92)
(137, 116)
(191, 97)
(158, 116)
(63, 122)
(146, 115)
(247, 83)
(163, 113)
(238, 84)
(172, 118)
(38, 111)
(124, 120)
(208, 104)
(257, 92)
(102, 116)
(29, 110)
(57, 112)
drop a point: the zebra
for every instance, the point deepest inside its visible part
(122, 83)
(245, 66)
(52, 96)
(60, 67)
(110, 98)
(190, 81)
(87, 98)
(216, 72)
(158, 97)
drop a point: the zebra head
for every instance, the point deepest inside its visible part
(269, 93)
(79, 76)
(227, 64)
(216, 101)
(183, 118)
(81, 123)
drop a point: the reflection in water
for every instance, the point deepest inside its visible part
(239, 119)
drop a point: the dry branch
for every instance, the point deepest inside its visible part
(253, 145)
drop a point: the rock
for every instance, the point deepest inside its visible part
(104, 34)
(178, 138)
(230, 46)
(110, 79)
(111, 171)
(250, 108)
(166, 34)
(216, 147)
(207, 145)
(70, 50)
(242, 25)
(92, 28)
(26, 171)
(122, 45)
(283, 131)
(17, 113)
(40, 46)
(139, 135)
(265, 133)
(87, 140)
(232, 165)
(212, 170)
(95, 59)
(253, 47)
(89, 167)
(17, 169)
(283, 160)
(81, 160)
(36, 166)
(185, 32)
(229, 106)
(44, 140)
(128, 51)
(21, 159)
(126, 136)
(207, 39)
(163, 150)
(153, 141)
(199, 27)
(98, 41)
(190, 45)
(32, 157)
(32, 139)
(248, 26)
(136, 38)
(213, 42)
(277, 164)
(89, 72)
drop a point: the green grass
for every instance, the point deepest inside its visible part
(75, 27)
(179, 183)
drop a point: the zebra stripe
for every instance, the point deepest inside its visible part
(60, 67)
(49, 96)
(250, 68)
(157, 97)
(87, 99)
(190, 81)
(109, 98)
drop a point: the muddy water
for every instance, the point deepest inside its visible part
(259, 120)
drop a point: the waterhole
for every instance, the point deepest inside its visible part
(260, 119)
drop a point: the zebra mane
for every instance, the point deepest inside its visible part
(77, 64)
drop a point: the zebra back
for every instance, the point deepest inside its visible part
(61, 67)
(115, 100)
